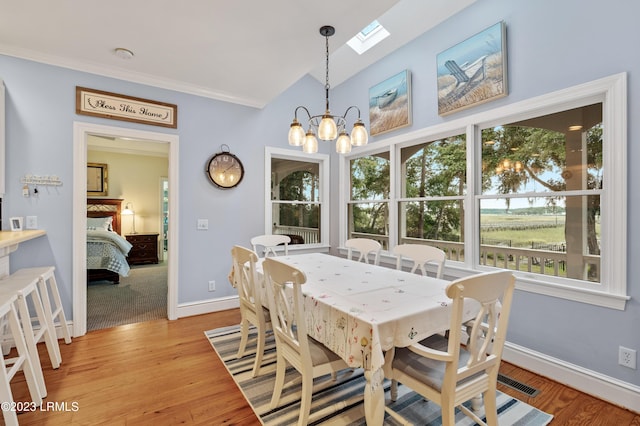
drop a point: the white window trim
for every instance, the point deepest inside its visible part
(612, 92)
(324, 168)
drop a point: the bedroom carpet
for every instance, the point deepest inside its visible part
(413, 407)
(142, 296)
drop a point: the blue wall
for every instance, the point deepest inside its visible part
(551, 45)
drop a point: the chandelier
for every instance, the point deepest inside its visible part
(327, 125)
(506, 165)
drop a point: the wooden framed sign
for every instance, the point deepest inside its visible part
(126, 108)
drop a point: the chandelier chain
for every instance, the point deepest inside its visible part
(326, 85)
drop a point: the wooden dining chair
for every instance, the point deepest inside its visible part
(269, 242)
(420, 255)
(442, 370)
(365, 247)
(293, 346)
(252, 311)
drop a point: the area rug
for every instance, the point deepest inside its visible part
(327, 392)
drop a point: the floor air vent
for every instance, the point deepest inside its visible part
(514, 384)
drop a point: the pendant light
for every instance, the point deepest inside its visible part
(327, 125)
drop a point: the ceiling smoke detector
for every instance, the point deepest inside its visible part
(123, 53)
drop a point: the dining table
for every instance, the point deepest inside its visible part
(360, 310)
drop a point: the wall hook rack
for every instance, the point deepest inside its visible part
(41, 180)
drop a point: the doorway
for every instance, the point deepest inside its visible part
(82, 131)
(164, 209)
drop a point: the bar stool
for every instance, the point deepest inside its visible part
(52, 306)
(21, 362)
(26, 287)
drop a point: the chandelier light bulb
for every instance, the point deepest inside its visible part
(296, 133)
(343, 144)
(327, 130)
(310, 143)
(359, 136)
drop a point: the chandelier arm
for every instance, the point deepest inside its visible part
(295, 113)
(344, 117)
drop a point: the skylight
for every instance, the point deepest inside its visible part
(368, 37)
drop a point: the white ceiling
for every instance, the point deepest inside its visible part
(240, 51)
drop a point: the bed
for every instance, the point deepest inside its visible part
(106, 249)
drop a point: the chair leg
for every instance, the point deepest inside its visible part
(448, 413)
(29, 370)
(281, 369)
(48, 278)
(31, 344)
(259, 353)
(490, 406)
(47, 330)
(10, 416)
(393, 391)
(305, 400)
(244, 336)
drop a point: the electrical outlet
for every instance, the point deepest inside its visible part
(203, 224)
(212, 285)
(627, 357)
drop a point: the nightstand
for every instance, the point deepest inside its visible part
(144, 250)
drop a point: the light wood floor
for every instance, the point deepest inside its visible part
(166, 373)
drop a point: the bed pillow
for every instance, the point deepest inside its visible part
(96, 223)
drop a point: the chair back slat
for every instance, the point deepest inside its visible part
(420, 255)
(245, 278)
(269, 242)
(287, 306)
(487, 332)
(365, 248)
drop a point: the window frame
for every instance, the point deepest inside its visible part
(611, 91)
(323, 161)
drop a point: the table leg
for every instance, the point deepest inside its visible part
(374, 398)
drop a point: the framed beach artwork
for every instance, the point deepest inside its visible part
(473, 71)
(390, 104)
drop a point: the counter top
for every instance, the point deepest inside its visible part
(12, 238)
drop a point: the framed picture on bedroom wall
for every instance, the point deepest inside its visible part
(97, 179)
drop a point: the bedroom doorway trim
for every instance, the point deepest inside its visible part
(81, 131)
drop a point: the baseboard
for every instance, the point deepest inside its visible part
(208, 306)
(607, 388)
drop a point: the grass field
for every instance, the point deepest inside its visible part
(523, 230)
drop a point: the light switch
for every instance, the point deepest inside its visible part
(32, 222)
(203, 224)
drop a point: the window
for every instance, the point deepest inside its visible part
(368, 37)
(546, 176)
(537, 187)
(430, 207)
(368, 214)
(296, 201)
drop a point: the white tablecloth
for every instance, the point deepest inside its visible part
(360, 310)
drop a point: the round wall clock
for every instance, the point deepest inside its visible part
(225, 170)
